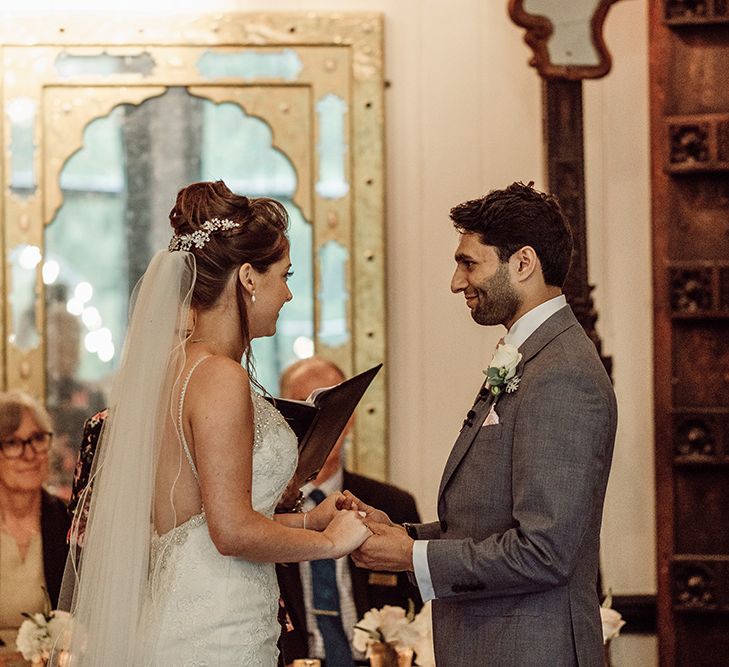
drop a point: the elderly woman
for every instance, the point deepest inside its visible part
(33, 523)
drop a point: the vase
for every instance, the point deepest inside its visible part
(385, 654)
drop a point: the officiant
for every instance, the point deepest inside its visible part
(325, 599)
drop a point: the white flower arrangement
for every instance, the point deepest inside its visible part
(611, 619)
(501, 373)
(401, 629)
(42, 633)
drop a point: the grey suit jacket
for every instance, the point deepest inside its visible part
(514, 557)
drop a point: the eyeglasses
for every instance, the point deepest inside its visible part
(13, 448)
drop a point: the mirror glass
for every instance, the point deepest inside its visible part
(269, 63)
(24, 259)
(117, 193)
(332, 147)
(21, 114)
(73, 65)
(571, 42)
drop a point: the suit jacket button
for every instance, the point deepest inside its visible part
(444, 526)
(456, 588)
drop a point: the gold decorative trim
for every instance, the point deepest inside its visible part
(341, 54)
(67, 111)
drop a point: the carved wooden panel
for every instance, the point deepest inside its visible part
(702, 506)
(698, 143)
(712, 629)
(689, 43)
(688, 12)
(700, 364)
(700, 437)
(700, 585)
(698, 289)
(566, 175)
(700, 601)
(704, 236)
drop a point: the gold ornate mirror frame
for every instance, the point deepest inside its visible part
(340, 54)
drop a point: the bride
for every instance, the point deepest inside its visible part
(177, 564)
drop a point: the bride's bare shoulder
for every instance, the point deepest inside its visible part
(219, 377)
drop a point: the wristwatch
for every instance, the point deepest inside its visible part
(410, 530)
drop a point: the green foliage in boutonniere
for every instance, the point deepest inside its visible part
(501, 373)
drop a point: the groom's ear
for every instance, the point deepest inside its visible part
(524, 263)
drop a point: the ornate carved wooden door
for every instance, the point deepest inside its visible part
(690, 177)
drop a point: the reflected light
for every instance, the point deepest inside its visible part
(91, 318)
(106, 353)
(96, 341)
(30, 256)
(303, 347)
(21, 111)
(51, 269)
(83, 292)
(75, 306)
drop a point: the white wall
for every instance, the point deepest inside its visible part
(464, 117)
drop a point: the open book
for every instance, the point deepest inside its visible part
(319, 421)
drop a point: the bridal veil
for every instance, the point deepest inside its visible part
(106, 580)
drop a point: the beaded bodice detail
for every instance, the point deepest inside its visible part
(215, 609)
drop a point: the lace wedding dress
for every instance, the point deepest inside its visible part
(207, 609)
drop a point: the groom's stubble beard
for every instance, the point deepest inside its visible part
(498, 301)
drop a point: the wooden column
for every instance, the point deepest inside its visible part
(565, 162)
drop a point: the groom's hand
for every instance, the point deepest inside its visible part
(388, 549)
(351, 502)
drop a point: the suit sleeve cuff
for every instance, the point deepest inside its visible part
(420, 568)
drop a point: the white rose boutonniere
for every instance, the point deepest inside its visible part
(501, 373)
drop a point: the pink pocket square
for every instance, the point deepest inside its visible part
(491, 418)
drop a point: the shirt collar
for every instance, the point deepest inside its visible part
(530, 321)
(334, 483)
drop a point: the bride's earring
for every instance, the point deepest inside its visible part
(253, 297)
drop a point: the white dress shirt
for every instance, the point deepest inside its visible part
(524, 327)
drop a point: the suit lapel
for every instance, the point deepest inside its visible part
(465, 439)
(561, 320)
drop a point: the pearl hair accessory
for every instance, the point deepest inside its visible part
(201, 236)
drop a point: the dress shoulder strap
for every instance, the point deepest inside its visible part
(181, 430)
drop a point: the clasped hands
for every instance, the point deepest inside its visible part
(389, 547)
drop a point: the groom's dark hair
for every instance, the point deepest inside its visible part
(517, 216)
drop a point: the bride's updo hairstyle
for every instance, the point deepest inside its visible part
(258, 238)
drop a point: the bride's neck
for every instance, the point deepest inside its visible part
(219, 332)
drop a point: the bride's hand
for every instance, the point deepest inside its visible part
(347, 532)
(324, 512)
(348, 501)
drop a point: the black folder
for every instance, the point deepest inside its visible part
(319, 421)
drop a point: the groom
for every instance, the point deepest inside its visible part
(512, 564)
